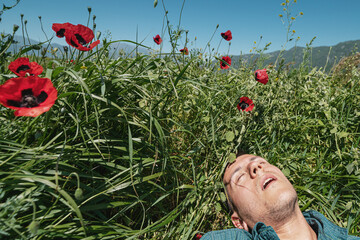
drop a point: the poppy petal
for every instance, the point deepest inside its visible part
(245, 104)
(227, 35)
(15, 93)
(77, 36)
(185, 50)
(261, 76)
(157, 39)
(227, 59)
(22, 65)
(62, 28)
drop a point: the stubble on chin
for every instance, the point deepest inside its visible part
(283, 209)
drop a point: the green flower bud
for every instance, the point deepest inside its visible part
(79, 194)
(16, 27)
(34, 226)
(98, 34)
(37, 47)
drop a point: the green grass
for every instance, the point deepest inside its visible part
(147, 138)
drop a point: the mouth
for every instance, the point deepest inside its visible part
(267, 181)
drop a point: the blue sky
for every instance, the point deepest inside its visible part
(331, 21)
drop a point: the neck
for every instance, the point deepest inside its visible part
(295, 227)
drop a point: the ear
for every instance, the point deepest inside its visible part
(238, 222)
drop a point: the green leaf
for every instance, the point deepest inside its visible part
(56, 72)
(229, 136)
(222, 197)
(48, 73)
(350, 168)
(328, 115)
(349, 205)
(25, 50)
(232, 157)
(217, 207)
(334, 130)
(342, 134)
(286, 172)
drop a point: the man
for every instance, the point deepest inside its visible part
(264, 205)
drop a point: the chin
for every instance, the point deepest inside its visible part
(284, 206)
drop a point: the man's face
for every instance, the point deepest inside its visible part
(259, 191)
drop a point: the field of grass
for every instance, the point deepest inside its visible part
(146, 139)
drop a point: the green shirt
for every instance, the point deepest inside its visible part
(324, 229)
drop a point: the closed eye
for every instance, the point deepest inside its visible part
(238, 179)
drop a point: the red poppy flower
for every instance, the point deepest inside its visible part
(245, 104)
(261, 76)
(77, 36)
(227, 35)
(29, 96)
(157, 39)
(224, 65)
(62, 28)
(197, 236)
(22, 65)
(185, 51)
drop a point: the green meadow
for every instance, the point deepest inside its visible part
(135, 145)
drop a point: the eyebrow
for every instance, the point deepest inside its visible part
(240, 167)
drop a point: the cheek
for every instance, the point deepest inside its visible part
(245, 199)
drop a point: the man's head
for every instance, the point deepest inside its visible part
(258, 192)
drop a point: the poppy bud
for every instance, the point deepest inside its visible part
(79, 194)
(94, 26)
(43, 52)
(39, 17)
(94, 17)
(217, 26)
(89, 9)
(36, 47)
(16, 27)
(66, 48)
(34, 226)
(21, 15)
(25, 22)
(98, 34)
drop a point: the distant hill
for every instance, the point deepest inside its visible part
(317, 55)
(114, 50)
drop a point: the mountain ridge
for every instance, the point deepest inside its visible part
(321, 57)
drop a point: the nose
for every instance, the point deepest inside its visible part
(254, 168)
